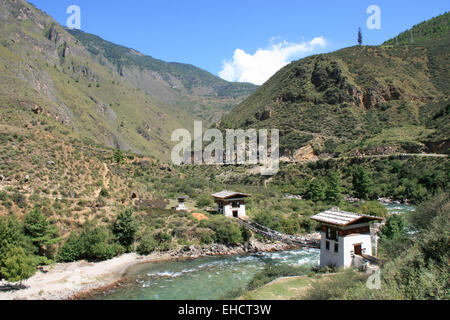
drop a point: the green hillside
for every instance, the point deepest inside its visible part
(359, 100)
(433, 29)
(46, 70)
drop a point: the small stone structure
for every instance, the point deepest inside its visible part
(181, 204)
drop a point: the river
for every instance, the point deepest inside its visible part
(209, 278)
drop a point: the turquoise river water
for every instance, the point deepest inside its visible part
(209, 278)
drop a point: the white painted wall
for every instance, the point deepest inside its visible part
(228, 211)
(181, 207)
(349, 241)
(344, 257)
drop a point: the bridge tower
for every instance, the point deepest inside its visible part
(345, 237)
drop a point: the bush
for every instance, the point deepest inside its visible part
(147, 245)
(16, 265)
(104, 192)
(71, 250)
(204, 201)
(206, 238)
(92, 243)
(422, 217)
(228, 234)
(118, 156)
(164, 241)
(393, 237)
(19, 199)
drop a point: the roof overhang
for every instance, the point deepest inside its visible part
(230, 194)
(342, 219)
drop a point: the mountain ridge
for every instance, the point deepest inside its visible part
(47, 70)
(357, 99)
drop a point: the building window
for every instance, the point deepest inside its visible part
(327, 245)
(332, 234)
(336, 247)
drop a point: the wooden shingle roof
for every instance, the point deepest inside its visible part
(229, 194)
(342, 218)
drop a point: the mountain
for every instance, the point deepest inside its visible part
(182, 85)
(359, 100)
(107, 94)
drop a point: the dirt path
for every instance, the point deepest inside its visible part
(105, 181)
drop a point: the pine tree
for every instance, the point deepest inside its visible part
(316, 191)
(362, 184)
(360, 37)
(334, 189)
(125, 228)
(39, 229)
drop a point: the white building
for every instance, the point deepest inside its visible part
(345, 237)
(230, 203)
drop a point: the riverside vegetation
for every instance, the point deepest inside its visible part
(81, 188)
(414, 253)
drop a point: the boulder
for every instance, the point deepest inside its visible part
(51, 163)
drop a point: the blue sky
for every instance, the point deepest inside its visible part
(223, 37)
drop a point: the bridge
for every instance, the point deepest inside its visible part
(275, 235)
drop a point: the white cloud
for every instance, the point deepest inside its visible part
(257, 68)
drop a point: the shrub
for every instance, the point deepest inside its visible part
(206, 238)
(147, 245)
(204, 201)
(92, 243)
(118, 156)
(104, 192)
(19, 199)
(16, 265)
(228, 234)
(72, 249)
